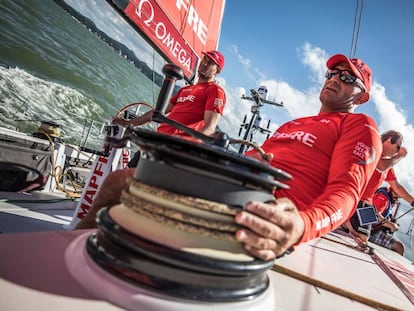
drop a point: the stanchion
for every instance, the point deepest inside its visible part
(102, 166)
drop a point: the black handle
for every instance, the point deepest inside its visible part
(172, 73)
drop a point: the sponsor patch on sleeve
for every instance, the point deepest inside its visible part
(364, 152)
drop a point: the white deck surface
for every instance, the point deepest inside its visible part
(325, 274)
(34, 212)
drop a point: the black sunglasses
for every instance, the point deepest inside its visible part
(394, 140)
(345, 76)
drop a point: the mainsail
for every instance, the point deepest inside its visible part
(180, 30)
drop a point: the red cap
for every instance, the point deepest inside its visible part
(358, 67)
(216, 57)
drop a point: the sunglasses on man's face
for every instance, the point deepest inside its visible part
(394, 141)
(345, 76)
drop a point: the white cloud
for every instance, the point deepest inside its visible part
(314, 59)
(300, 103)
(252, 72)
(235, 109)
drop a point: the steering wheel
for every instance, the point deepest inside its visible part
(138, 106)
(118, 115)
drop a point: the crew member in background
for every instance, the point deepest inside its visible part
(392, 153)
(198, 106)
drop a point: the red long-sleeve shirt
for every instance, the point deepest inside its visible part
(331, 157)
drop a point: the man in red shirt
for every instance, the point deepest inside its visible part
(331, 157)
(198, 106)
(392, 153)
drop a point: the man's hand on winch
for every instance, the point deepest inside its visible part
(262, 156)
(270, 228)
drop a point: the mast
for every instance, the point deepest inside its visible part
(259, 98)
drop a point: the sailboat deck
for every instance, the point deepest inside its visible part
(326, 273)
(35, 211)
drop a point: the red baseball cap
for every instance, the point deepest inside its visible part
(216, 57)
(358, 67)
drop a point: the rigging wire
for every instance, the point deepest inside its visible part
(357, 23)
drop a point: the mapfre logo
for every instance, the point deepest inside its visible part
(364, 152)
(189, 98)
(305, 138)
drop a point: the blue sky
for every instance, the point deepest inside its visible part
(285, 44)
